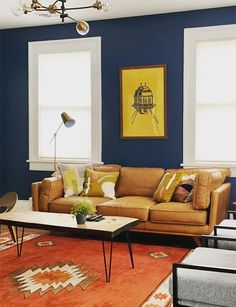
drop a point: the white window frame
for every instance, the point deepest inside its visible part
(60, 46)
(191, 37)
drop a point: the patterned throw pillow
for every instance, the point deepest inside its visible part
(167, 187)
(100, 184)
(73, 176)
(184, 191)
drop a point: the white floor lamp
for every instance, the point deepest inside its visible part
(68, 122)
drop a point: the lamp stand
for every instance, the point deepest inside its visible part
(68, 122)
(55, 152)
(55, 147)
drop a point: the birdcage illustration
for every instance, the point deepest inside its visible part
(144, 103)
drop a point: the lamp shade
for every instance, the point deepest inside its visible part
(67, 120)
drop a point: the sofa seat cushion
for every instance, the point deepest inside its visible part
(64, 205)
(177, 213)
(130, 206)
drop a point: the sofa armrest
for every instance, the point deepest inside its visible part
(45, 191)
(52, 188)
(36, 189)
(219, 204)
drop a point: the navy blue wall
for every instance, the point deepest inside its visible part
(0, 106)
(156, 39)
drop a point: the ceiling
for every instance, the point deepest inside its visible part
(120, 8)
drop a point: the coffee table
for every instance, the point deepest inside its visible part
(105, 230)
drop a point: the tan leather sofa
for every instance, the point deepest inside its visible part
(134, 191)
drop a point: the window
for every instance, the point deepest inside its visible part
(64, 76)
(210, 97)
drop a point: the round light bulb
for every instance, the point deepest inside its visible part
(105, 7)
(27, 7)
(20, 7)
(82, 27)
(17, 8)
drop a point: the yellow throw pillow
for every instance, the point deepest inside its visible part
(167, 187)
(73, 176)
(100, 184)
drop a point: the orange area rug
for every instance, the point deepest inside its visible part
(6, 240)
(70, 272)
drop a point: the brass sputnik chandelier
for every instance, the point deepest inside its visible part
(57, 8)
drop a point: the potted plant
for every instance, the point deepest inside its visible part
(81, 209)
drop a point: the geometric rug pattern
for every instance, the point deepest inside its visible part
(55, 275)
(53, 278)
(5, 237)
(7, 242)
(45, 243)
(159, 255)
(161, 296)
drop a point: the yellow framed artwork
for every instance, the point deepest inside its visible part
(143, 102)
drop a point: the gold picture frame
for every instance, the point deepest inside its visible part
(143, 102)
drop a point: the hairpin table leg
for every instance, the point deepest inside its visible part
(130, 249)
(12, 231)
(107, 270)
(19, 244)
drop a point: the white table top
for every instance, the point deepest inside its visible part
(63, 221)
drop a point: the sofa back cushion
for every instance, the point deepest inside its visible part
(107, 168)
(139, 181)
(206, 181)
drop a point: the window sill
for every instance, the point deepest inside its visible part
(48, 165)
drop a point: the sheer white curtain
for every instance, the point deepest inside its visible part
(64, 85)
(215, 101)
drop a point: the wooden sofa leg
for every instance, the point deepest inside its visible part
(197, 240)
